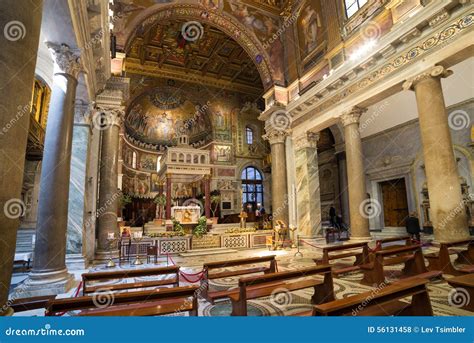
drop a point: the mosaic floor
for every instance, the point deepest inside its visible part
(345, 285)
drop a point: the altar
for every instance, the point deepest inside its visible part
(186, 214)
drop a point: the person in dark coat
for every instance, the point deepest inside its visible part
(413, 226)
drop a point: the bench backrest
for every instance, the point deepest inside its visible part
(283, 276)
(239, 262)
(398, 250)
(393, 239)
(345, 246)
(90, 302)
(469, 241)
(123, 274)
(396, 291)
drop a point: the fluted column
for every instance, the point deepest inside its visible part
(447, 207)
(358, 205)
(49, 274)
(280, 197)
(307, 187)
(111, 119)
(20, 22)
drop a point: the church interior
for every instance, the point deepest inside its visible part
(237, 158)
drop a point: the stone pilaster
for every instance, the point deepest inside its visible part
(21, 23)
(358, 203)
(307, 185)
(49, 274)
(447, 207)
(110, 119)
(280, 199)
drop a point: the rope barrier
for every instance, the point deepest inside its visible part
(76, 293)
(184, 275)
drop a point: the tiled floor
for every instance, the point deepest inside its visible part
(344, 286)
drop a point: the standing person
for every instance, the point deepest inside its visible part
(413, 226)
(332, 216)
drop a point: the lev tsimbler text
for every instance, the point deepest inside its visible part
(416, 329)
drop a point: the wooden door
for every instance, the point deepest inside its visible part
(395, 203)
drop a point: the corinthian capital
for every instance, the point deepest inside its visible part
(107, 116)
(434, 72)
(67, 61)
(308, 140)
(352, 116)
(276, 136)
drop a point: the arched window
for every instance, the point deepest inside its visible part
(252, 187)
(352, 6)
(134, 160)
(249, 135)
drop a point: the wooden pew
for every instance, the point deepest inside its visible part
(137, 303)
(262, 286)
(33, 303)
(441, 261)
(464, 284)
(382, 302)
(410, 255)
(359, 250)
(212, 296)
(124, 274)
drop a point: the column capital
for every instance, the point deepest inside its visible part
(434, 72)
(276, 136)
(352, 116)
(307, 140)
(106, 116)
(67, 61)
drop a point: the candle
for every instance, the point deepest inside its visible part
(111, 235)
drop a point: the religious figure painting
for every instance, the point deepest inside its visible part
(310, 28)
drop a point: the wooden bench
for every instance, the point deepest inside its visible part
(87, 278)
(359, 250)
(382, 302)
(262, 286)
(33, 303)
(212, 296)
(410, 255)
(381, 243)
(441, 261)
(464, 284)
(138, 303)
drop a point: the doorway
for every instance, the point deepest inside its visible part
(395, 202)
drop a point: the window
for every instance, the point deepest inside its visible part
(252, 187)
(352, 6)
(134, 160)
(249, 135)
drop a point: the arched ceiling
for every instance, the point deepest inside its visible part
(212, 57)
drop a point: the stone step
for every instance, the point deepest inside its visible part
(202, 252)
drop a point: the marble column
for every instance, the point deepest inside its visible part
(207, 196)
(359, 211)
(447, 207)
(168, 197)
(108, 186)
(280, 198)
(19, 47)
(307, 185)
(49, 274)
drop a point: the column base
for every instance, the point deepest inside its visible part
(361, 239)
(104, 255)
(76, 261)
(8, 312)
(46, 283)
